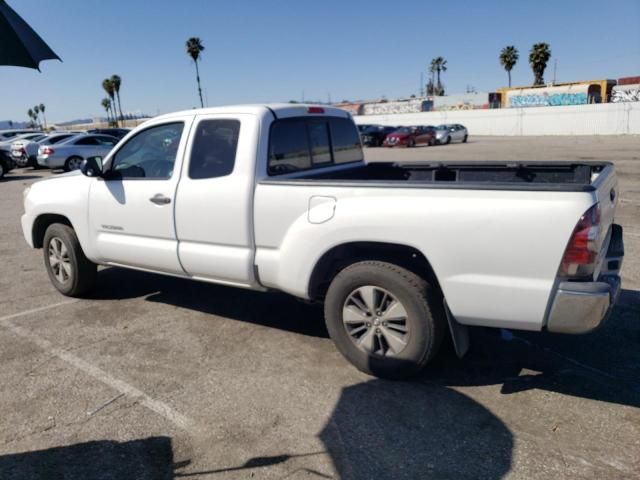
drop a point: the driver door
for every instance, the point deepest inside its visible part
(131, 211)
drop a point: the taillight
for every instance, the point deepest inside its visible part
(581, 253)
(47, 151)
(315, 110)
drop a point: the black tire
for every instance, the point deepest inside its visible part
(71, 161)
(81, 278)
(431, 142)
(464, 140)
(411, 143)
(448, 140)
(425, 318)
(3, 169)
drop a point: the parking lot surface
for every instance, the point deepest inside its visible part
(159, 378)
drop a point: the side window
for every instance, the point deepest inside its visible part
(106, 141)
(87, 141)
(289, 147)
(345, 140)
(150, 154)
(214, 149)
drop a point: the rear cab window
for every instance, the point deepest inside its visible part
(304, 143)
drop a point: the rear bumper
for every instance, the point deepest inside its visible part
(579, 307)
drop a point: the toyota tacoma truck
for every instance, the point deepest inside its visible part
(279, 197)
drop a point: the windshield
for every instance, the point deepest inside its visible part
(402, 130)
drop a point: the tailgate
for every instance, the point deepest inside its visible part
(606, 184)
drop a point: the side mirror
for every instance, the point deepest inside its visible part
(92, 167)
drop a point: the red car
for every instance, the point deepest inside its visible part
(411, 136)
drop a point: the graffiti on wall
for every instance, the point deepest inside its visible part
(545, 99)
(631, 95)
(410, 106)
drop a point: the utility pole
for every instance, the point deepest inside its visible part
(422, 84)
(555, 67)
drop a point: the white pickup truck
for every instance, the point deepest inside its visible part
(279, 197)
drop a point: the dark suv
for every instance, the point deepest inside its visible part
(374, 135)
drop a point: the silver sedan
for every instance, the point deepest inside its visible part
(71, 153)
(453, 132)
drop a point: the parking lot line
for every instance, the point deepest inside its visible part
(97, 373)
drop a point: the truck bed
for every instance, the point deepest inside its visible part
(548, 176)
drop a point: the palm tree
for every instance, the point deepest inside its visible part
(108, 87)
(30, 113)
(45, 118)
(431, 85)
(440, 65)
(539, 55)
(36, 111)
(116, 81)
(194, 49)
(106, 103)
(508, 59)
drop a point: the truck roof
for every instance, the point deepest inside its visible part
(280, 110)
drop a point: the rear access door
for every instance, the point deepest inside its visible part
(214, 200)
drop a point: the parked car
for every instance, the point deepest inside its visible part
(70, 153)
(6, 163)
(8, 134)
(6, 144)
(278, 197)
(446, 134)
(25, 152)
(374, 135)
(410, 137)
(363, 127)
(119, 133)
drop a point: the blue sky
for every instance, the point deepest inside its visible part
(274, 50)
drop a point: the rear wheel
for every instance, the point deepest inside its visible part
(448, 140)
(411, 143)
(431, 142)
(72, 163)
(70, 271)
(2, 169)
(464, 140)
(384, 319)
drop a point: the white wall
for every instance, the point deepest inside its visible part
(598, 119)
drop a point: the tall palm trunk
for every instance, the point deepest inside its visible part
(509, 74)
(198, 80)
(119, 106)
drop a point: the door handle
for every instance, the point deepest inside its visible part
(160, 199)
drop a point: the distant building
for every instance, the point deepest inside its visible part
(627, 90)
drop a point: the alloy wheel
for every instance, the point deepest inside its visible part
(376, 321)
(59, 260)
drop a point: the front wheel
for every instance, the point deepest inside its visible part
(464, 140)
(72, 163)
(448, 141)
(411, 143)
(70, 271)
(384, 319)
(2, 170)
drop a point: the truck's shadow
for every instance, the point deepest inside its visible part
(601, 365)
(377, 429)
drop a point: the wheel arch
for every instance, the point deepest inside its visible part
(42, 222)
(343, 255)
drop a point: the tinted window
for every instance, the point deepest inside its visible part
(299, 144)
(289, 147)
(54, 140)
(319, 142)
(345, 141)
(214, 148)
(106, 140)
(86, 141)
(149, 154)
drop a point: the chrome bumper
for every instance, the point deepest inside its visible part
(579, 307)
